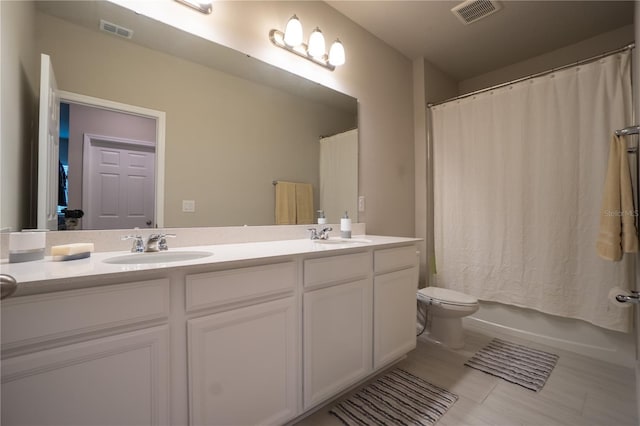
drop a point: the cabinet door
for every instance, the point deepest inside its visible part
(243, 365)
(116, 380)
(337, 338)
(394, 300)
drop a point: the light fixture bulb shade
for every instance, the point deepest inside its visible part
(316, 44)
(293, 32)
(336, 53)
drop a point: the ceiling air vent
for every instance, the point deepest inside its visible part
(115, 29)
(473, 10)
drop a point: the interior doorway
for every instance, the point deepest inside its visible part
(126, 136)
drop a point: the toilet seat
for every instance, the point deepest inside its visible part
(446, 297)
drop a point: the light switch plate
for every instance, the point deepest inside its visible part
(188, 206)
(361, 204)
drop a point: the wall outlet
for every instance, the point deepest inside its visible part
(188, 206)
(361, 204)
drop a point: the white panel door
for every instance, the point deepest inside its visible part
(243, 365)
(48, 147)
(394, 322)
(337, 339)
(117, 380)
(119, 184)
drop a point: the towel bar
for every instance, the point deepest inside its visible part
(632, 130)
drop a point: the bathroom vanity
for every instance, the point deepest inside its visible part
(256, 333)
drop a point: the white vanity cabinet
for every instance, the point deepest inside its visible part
(337, 324)
(244, 362)
(260, 336)
(394, 303)
(90, 356)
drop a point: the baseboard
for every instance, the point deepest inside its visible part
(598, 352)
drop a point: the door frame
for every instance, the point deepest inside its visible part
(158, 116)
(88, 141)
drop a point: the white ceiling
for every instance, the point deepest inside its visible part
(520, 30)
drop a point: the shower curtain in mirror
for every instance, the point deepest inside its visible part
(339, 175)
(518, 178)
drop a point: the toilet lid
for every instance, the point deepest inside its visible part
(445, 295)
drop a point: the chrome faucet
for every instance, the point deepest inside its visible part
(158, 242)
(322, 235)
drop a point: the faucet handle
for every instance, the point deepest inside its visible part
(162, 242)
(138, 242)
(314, 233)
(324, 234)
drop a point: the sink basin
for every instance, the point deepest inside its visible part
(343, 241)
(158, 257)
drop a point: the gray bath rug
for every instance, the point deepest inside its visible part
(397, 398)
(517, 364)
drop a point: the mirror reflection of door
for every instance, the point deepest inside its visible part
(118, 183)
(48, 146)
(118, 189)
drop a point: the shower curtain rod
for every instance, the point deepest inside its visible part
(539, 74)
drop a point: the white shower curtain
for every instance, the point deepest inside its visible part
(339, 175)
(518, 178)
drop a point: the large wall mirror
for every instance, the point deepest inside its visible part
(233, 124)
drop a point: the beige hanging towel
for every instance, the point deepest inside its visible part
(618, 233)
(285, 203)
(304, 203)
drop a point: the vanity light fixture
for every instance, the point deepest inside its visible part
(203, 6)
(291, 40)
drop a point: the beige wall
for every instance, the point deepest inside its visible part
(227, 139)
(572, 53)
(19, 70)
(379, 76)
(85, 119)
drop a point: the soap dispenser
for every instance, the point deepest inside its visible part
(321, 217)
(345, 226)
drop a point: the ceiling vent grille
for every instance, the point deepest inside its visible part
(115, 29)
(474, 10)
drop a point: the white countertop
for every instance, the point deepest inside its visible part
(38, 272)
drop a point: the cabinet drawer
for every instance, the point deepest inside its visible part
(336, 269)
(34, 319)
(235, 285)
(393, 259)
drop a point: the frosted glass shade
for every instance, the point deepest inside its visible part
(293, 32)
(336, 53)
(316, 44)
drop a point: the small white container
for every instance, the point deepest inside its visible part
(321, 218)
(26, 246)
(345, 226)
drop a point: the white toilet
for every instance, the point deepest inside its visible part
(447, 308)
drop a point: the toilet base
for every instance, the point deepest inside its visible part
(447, 331)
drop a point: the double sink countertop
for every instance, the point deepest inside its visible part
(43, 275)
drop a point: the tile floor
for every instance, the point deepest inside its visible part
(581, 391)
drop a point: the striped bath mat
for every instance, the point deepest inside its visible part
(397, 398)
(517, 364)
